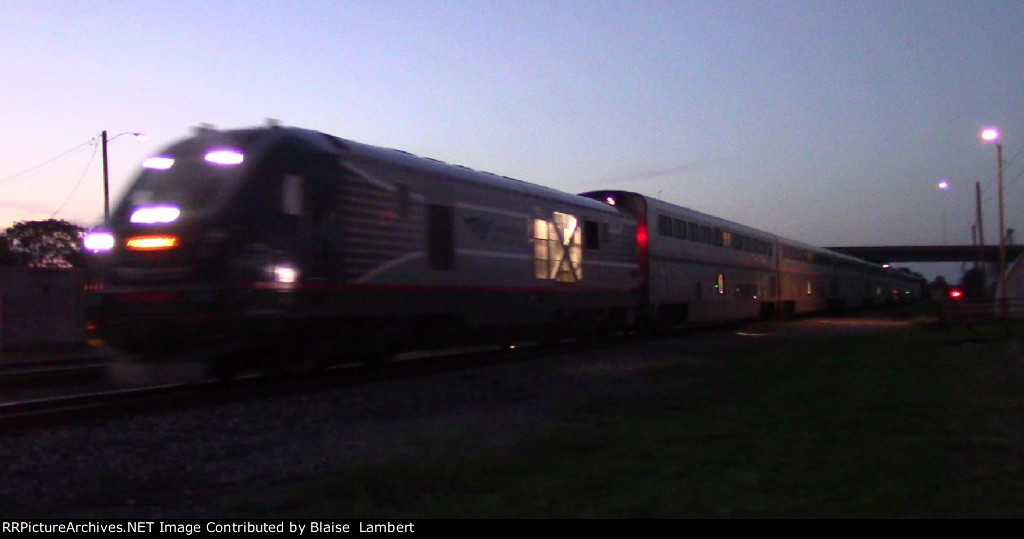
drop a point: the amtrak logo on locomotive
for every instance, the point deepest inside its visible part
(487, 230)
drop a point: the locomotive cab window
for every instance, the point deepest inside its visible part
(185, 178)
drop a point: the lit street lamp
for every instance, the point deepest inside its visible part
(944, 186)
(106, 176)
(991, 134)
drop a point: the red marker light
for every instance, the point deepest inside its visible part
(641, 236)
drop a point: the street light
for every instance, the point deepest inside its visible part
(944, 186)
(991, 134)
(106, 176)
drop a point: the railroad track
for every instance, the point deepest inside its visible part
(51, 373)
(116, 402)
(84, 407)
(111, 401)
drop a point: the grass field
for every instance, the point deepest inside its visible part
(917, 422)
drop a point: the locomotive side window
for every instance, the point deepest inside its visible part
(594, 233)
(441, 238)
(291, 195)
(557, 252)
(403, 200)
(541, 258)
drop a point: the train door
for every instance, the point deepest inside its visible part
(310, 199)
(441, 237)
(770, 297)
(723, 301)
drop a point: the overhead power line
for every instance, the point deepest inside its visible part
(48, 161)
(77, 184)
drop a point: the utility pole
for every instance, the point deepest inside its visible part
(991, 134)
(981, 225)
(1002, 236)
(106, 180)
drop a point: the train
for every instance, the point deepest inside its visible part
(287, 246)
(695, 267)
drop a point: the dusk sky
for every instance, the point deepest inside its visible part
(828, 122)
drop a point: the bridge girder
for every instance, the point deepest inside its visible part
(930, 253)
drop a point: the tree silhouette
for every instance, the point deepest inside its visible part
(975, 283)
(53, 243)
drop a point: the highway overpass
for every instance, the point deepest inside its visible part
(930, 253)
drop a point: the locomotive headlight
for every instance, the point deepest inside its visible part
(285, 274)
(98, 241)
(149, 215)
(158, 162)
(225, 157)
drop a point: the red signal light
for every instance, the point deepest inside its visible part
(955, 293)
